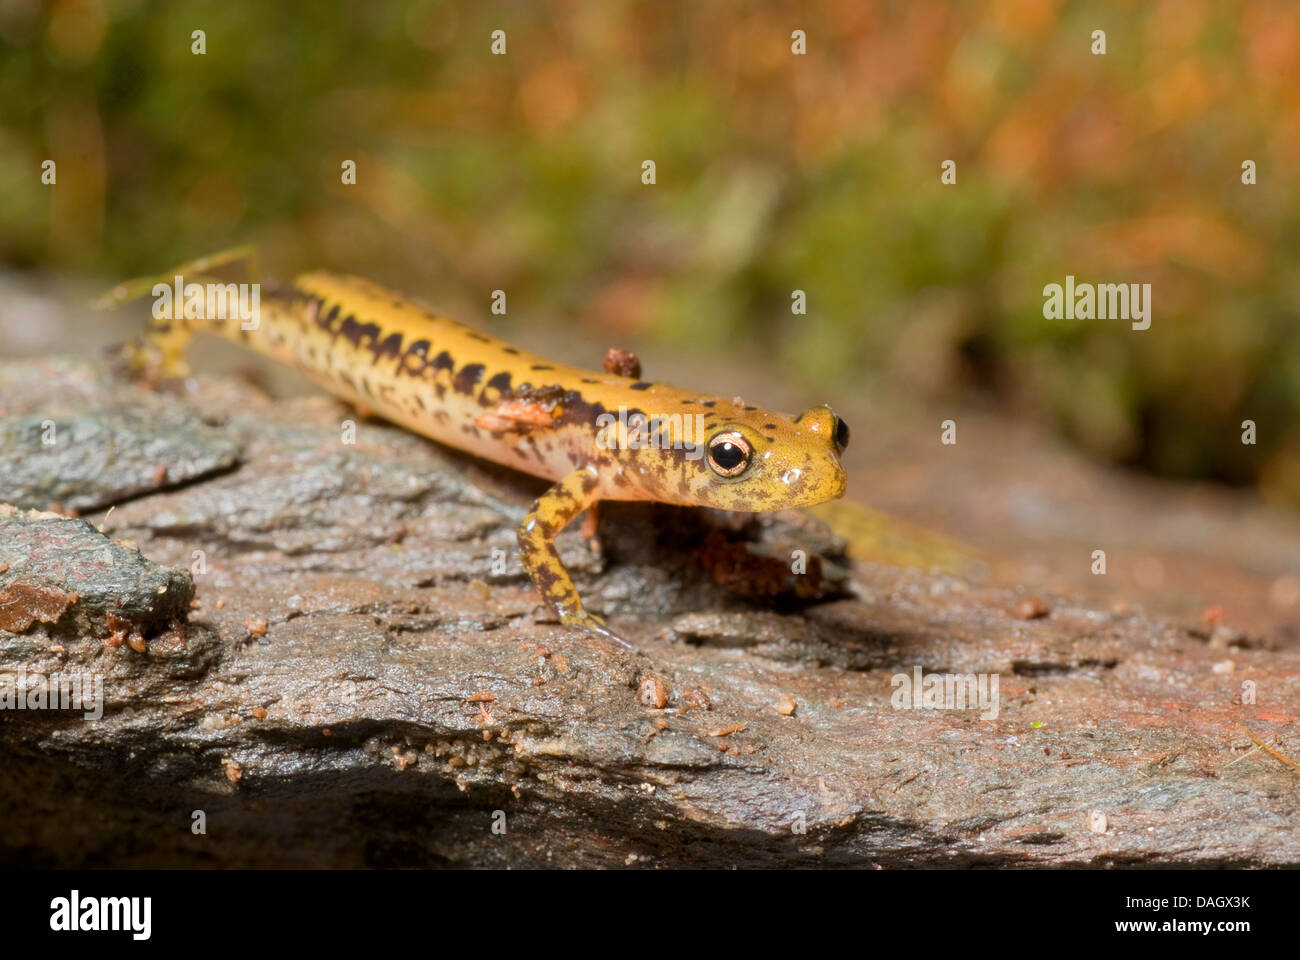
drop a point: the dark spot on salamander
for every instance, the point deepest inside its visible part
(443, 361)
(684, 402)
(769, 426)
(710, 403)
(479, 337)
(641, 385)
(354, 331)
(546, 578)
(501, 381)
(415, 359)
(326, 320)
(390, 348)
(576, 409)
(467, 378)
(510, 350)
(542, 366)
(585, 380)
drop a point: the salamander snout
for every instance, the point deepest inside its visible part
(819, 439)
(827, 422)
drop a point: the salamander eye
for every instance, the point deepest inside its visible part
(729, 454)
(841, 435)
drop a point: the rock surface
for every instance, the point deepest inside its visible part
(363, 676)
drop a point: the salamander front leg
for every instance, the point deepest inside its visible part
(550, 514)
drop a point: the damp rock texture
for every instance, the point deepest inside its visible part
(316, 647)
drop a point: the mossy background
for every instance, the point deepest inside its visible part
(775, 172)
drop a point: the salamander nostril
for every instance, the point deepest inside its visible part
(841, 435)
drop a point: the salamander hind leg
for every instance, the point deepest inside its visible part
(157, 354)
(549, 515)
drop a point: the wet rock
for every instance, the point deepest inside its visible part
(366, 679)
(65, 575)
(98, 457)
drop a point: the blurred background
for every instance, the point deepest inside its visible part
(775, 172)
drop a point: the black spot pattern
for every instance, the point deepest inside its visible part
(467, 378)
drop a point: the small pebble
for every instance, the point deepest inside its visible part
(1030, 608)
(696, 697)
(653, 691)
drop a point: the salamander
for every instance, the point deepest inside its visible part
(597, 435)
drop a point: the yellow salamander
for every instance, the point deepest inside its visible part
(598, 436)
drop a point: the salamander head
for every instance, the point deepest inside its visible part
(756, 460)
